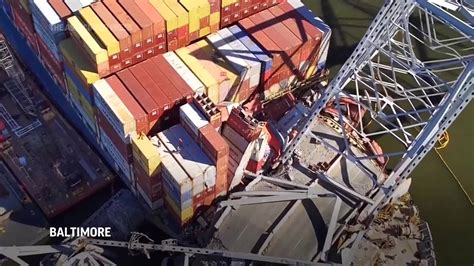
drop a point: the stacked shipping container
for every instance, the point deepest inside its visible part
(126, 87)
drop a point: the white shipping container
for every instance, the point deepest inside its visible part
(73, 5)
(47, 16)
(110, 105)
(173, 175)
(235, 138)
(187, 75)
(239, 172)
(53, 48)
(227, 52)
(120, 162)
(192, 117)
(241, 51)
(190, 156)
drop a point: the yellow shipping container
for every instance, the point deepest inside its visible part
(204, 31)
(192, 6)
(179, 11)
(168, 15)
(204, 8)
(88, 108)
(215, 18)
(93, 48)
(212, 87)
(185, 215)
(145, 153)
(75, 58)
(228, 2)
(232, 77)
(79, 98)
(102, 32)
(76, 94)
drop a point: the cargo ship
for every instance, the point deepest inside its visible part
(169, 91)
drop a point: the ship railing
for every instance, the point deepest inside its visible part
(25, 130)
(8, 118)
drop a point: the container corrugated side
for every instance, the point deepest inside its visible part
(240, 51)
(201, 72)
(130, 102)
(179, 143)
(113, 109)
(184, 72)
(227, 78)
(191, 118)
(174, 177)
(116, 28)
(93, 48)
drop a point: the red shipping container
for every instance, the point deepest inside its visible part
(24, 23)
(159, 27)
(120, 33)
(213, 143)
(61, 9)
(162, 83)
(246, 3)
(124, 148)
(275, 109)
(193, 36)
(141, 118)
(137, 58)
(55, 67)
(160, 48)
(149, 53)
(151, 185)
(185, 91)
(153, 90)
(288, 42)
(309, 36)
(128, 23)
(145, 24)
(204, 22)
(209, 109)
(246, 126)
(126, 62)
(141, 96)
(267, 43)
(215, 5)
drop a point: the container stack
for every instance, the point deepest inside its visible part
(241, 59)
(219, 78)
(50, 31)
(21, 15)
(294, 51)
(200, 173)
(159, 84)
(147, 169)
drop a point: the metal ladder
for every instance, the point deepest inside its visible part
(16, 86)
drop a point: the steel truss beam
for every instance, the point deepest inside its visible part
(412, 73)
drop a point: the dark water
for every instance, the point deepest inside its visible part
(441, 201)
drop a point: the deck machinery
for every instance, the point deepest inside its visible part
(409, 96)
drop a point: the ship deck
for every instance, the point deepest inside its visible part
(22, 222)
(296, 229)
(52, 162)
